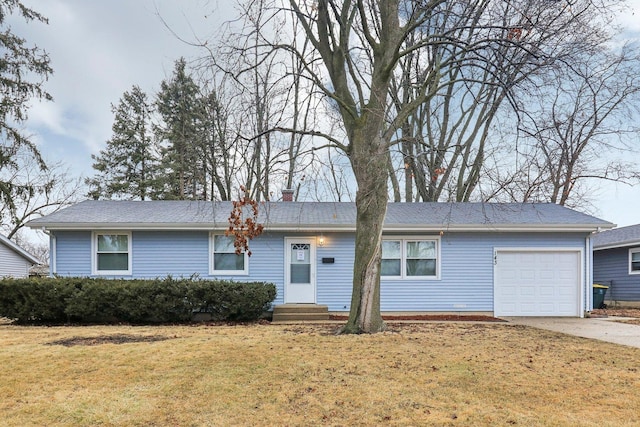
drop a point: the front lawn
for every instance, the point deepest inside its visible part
(459, 374)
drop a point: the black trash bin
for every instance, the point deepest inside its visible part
(599, 291)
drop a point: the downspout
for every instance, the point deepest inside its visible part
(53, 269)
(588, 297)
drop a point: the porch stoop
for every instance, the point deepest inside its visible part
(300, 312)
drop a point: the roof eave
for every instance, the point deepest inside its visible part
(626, 244)
(20, 251)
(404, 228)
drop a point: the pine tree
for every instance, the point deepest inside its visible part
(127, 167)
(19, 65)
(182, 160)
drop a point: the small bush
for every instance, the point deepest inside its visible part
(87, 300)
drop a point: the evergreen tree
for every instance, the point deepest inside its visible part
(182, 161)
(127, 167)
(19, 64)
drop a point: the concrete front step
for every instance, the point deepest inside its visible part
(300, 312)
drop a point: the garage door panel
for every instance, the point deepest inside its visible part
(527, 291)
(528, 275)
(547, 291)
(537, 283)
(547, 274)
(566, 275)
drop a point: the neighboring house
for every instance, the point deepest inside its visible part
(14, 261)
(501, 259)
(616, 263)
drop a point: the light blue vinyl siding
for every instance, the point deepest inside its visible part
(170, 253)
(335, 281)
(465, 283)
(611, 267)
(73, 253)
(466, 277)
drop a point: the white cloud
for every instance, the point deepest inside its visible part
(630, 19)
(99, 49)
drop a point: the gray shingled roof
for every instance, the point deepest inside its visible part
(618, 237)
(319, 216)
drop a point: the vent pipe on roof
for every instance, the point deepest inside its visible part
(287, 195)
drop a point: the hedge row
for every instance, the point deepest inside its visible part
(86, 300)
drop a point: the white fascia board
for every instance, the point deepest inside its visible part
(128, 226)
(412, 228)
(587, 228)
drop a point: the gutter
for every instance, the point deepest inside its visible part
(338, 228)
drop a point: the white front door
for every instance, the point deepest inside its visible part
(300, 270)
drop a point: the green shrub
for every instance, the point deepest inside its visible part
(87, 300)
(232, 300)
(36, 300)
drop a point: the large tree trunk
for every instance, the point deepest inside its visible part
(369, 162)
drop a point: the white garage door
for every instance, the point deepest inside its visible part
(537, 283)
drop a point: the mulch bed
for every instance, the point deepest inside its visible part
(108, 339)
(617, 312)
(432, 317)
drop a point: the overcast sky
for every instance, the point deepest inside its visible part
(100, 48)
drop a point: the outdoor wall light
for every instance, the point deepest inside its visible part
(321, 241)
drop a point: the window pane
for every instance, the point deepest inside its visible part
(113, 243)
(390, 249)
(421, 249)
(223, 244)
(635, 261)
(390, 267)
(300, 273)
(231, 262)
(421, 267)
(113, 262)
(300, 253)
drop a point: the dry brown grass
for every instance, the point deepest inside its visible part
(459, 374)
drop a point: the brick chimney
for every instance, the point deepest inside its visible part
(287, 195)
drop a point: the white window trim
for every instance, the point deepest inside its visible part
(631, 252)
(94, 254)
(213, 271)
(403, 257)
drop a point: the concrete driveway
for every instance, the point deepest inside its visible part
(603, 329)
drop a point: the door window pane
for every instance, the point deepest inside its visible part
(300, 263)
(300, 273)
(300, 253)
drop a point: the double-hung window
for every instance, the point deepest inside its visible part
(112, 253)
(224, 259)
(410, 258)
(634, 261)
